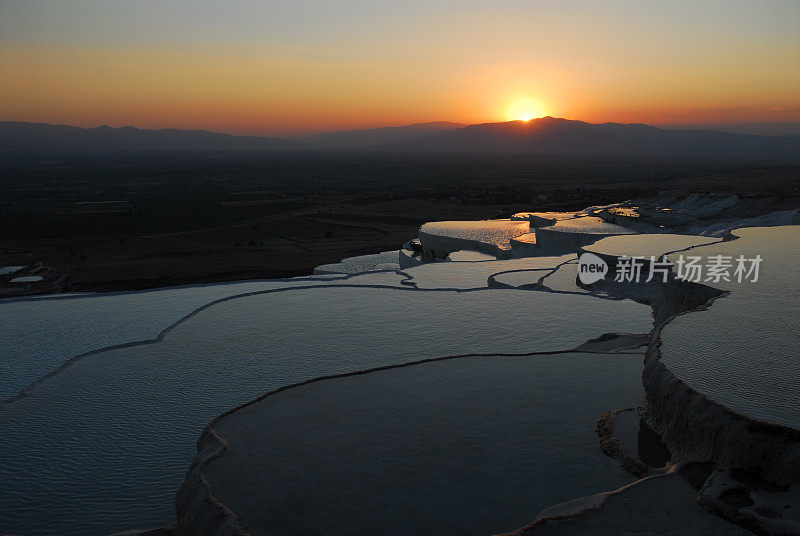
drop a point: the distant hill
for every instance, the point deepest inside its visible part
(544, 136)
(354, 139)
(23, 138)
(555, 136)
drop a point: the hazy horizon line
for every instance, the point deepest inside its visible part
(763, 128)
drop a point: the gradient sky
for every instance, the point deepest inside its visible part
(292, 67)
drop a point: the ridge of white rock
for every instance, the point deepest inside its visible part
(564, 279)
(702, 394)
(569, 235)
(771, 511)
(525, 246)
(458, 275)
(492, 237)
(700, 214)
(543, 219)
(518, 278)
(645, 248)
(5, 270)
(518, 237)
(723, 228)
(646, 245)
(465, 255)
(528, 239)
(659, 504)
(361, 263)
(408, 258)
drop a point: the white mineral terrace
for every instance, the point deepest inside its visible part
(351, 265)
(754, 328)
(466, 255)
(486, 236)
(448, 397)
(27, 279)
(526, 239)
(542, 219)
(587, 225)
(525, 235)
(647, 245)
(546, 215)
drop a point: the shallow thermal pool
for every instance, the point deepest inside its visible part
(470, 446)
(39, 334)
(103, 445)
(590, 225)
(742, 350)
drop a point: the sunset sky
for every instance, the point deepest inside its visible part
(293, 67)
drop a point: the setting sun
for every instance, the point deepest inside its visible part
(525, 110)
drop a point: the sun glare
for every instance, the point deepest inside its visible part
(525, 110)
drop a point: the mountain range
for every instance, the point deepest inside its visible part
(352, 139)
(543, 136)
(23, 138)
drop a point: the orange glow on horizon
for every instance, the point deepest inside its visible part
(249, 92)
(525, 109)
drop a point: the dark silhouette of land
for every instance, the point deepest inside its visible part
(547, 136)
(108, 215)
(28, 138)
(555, 136)
(359, 139)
